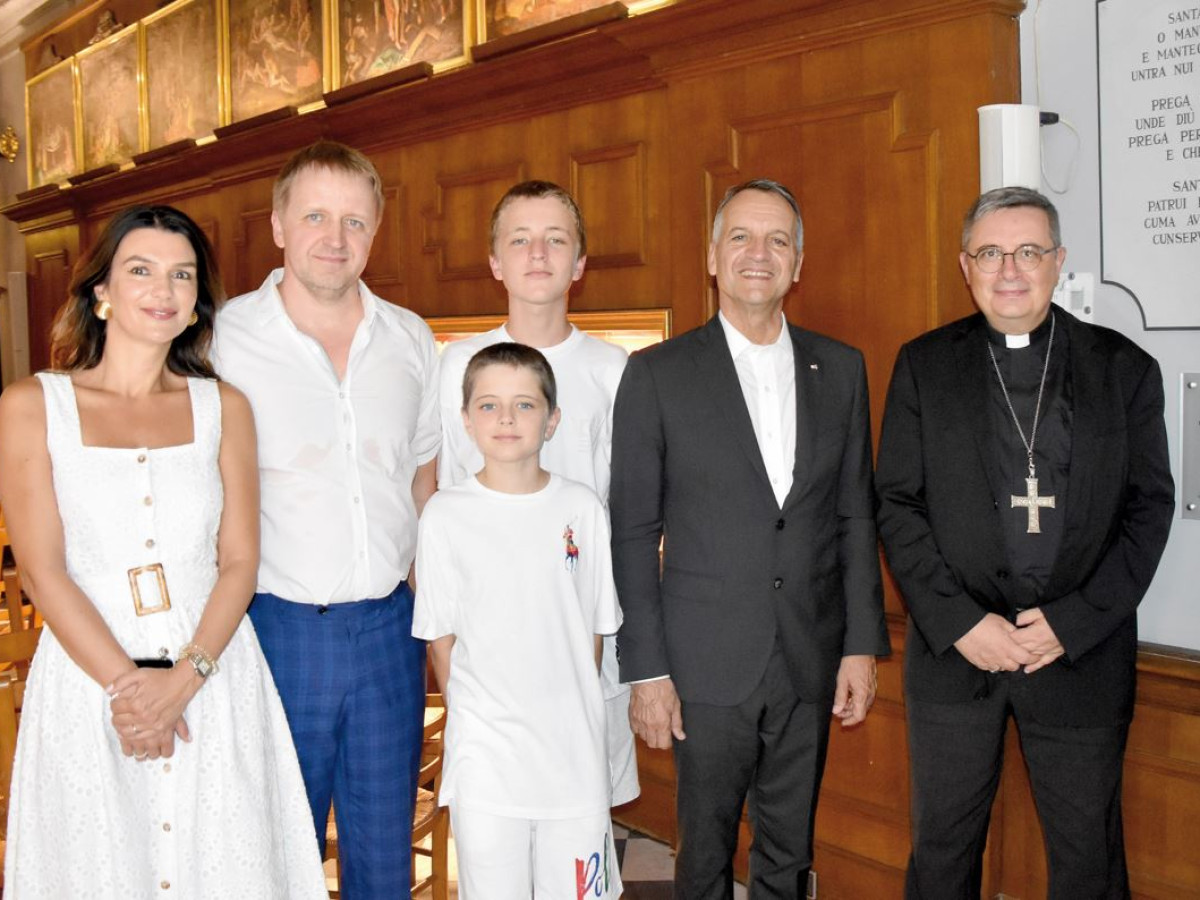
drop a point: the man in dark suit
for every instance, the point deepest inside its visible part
(1026, 497)
(745, 445)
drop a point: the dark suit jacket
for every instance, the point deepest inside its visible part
(738, 571)
(940, 518)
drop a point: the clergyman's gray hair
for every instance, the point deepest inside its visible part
(1009, 198)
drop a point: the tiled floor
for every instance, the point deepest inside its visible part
(646, 868)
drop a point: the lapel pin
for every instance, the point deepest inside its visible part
(813, 366)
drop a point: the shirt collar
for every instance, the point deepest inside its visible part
(739, 343)
(273, 306)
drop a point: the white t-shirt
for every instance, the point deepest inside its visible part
(524, 582)
(586, 370)
(336, 458)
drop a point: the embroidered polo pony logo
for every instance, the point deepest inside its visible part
(572, 557)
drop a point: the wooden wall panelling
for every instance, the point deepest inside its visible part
(49, 279)
(862, 817)
(618, 156)
(384, 273)
(51, 249)
(456, 228)
(610, 183)
(256, 253)
(1161, 793)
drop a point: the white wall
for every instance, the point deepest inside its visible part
(1170, 613)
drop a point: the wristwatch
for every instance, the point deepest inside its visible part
(204, 664)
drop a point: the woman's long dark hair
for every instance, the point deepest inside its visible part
(77, 338)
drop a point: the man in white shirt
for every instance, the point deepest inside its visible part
(538, 250)
(745, 447)
(343, 386)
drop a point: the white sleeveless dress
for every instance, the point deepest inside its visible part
(226, 816)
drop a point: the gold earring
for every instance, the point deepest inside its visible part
(102, 310)
(193, 319)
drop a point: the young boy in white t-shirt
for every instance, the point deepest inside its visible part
(515, 594)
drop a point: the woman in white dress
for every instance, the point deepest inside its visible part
(129, 483)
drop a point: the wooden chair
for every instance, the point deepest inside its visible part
(431, 823)
(430, 820)
(14, 605)
(15, 647)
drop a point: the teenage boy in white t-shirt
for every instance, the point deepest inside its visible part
(515, 594)
(538, 250)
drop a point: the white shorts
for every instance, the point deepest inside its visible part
(622, 757)
(505, 858)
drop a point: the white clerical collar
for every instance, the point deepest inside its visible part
(1016, 341)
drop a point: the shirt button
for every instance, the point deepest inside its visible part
(167, 768)
(141, 457)
(166, 826)
(165, 885)
(357, 500)
(149, 542)
(341, 395)
(779, 525)
(778, 583)
(163, 652)
(149, 501)
(1002, 574)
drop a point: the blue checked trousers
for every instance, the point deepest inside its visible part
(352, 680)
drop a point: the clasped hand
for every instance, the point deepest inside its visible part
(995, 644)
(147, 709)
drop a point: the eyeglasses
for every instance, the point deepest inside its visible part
(1026, 258)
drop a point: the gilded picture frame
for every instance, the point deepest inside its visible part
(633, 329)
(52, 124)
(109, 99)
(276, 55)
(501, 17)
(181, 63)
(374, 37)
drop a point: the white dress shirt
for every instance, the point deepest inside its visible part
(336, 458)
(767, 374)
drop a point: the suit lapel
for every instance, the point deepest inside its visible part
(809, 400)
(971, 386)
(1089, 411)
(715, 370)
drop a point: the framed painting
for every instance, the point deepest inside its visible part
(375, 37)
(510, 16)
(275, 55)
(52, 125)
(181, 65)
(632, 329)
(108, 97)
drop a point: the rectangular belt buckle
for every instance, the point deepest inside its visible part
(140, 576)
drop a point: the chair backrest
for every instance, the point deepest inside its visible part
(19, 623)
(11, 694)
(432, 750)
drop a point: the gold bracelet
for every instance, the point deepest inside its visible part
(201, 660)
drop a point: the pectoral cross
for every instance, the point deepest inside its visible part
(1033, 504)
